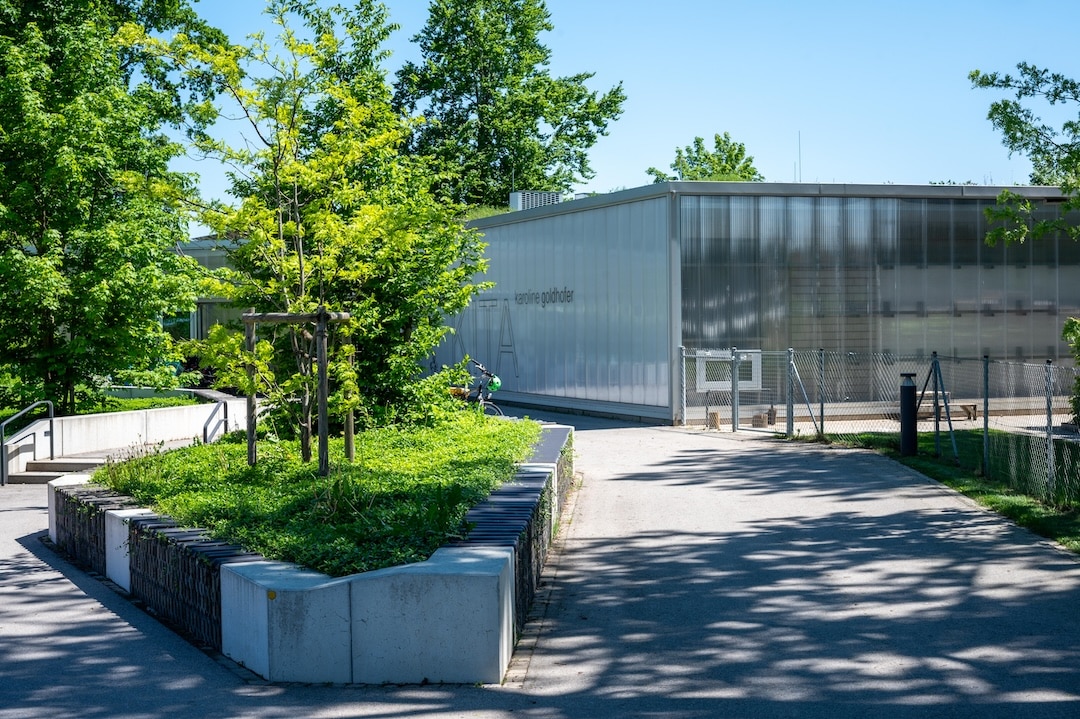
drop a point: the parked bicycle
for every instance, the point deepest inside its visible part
(481, 392)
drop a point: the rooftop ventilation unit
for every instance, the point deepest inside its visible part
(528, 199)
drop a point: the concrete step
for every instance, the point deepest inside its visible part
(33, 477)
(64, 464)
(43, 471)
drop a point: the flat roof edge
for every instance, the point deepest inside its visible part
(769, 189)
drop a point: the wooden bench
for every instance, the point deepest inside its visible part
(970, 410)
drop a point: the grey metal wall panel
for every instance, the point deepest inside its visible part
(909, 273)
(902, 269)
(580, 309)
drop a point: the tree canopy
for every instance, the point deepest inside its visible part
(330, 212)
(1054, 152)
(496, 120)
(88, 227)
(1055, 160)
(726, 162)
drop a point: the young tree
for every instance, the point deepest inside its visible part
(496, 119)
(1054, 153)
(726, 162)
(1055, 160)
(88, 230)
(330, 213)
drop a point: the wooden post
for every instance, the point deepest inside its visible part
(249, 343)
(324, 391)
(350, 429)
(321, 319)
(350, 437)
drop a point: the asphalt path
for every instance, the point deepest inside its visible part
(699, 574)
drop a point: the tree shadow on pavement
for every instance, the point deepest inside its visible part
(748, 580)
(827, 583)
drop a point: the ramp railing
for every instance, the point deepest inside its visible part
(3, 439)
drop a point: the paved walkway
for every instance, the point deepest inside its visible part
(701, 575)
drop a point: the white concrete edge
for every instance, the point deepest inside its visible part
(286, 623)
(449, 618)
(71, 480)
(117, 544)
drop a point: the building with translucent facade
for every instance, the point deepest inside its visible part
(594, 298)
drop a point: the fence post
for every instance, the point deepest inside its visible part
(986, 415)
(682, 387)
(1051, 471)
(734, 389)
(821, 392)
(934, 370)
(909, 420)
(790, 392)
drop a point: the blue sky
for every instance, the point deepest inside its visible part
(827, 91)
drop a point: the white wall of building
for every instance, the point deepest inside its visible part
(581, 313)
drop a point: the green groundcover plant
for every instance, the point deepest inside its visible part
(404, 496)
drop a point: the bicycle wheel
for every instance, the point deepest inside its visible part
(492, 409)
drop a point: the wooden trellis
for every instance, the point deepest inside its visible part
(322, 320)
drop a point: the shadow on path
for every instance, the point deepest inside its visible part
(807, 581)
(698, 577)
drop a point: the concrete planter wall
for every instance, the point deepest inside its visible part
(452, 618)
(88, 433)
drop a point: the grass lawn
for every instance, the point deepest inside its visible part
(1059, 523)
(406, 494)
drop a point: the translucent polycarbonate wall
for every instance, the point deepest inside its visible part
(580, 314)
(901, 274)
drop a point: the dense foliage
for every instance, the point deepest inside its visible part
(495, 118)
(330, 213)
(726, 162)
(88, 230)
(343, 199)
(1055, 160)
(406, 495)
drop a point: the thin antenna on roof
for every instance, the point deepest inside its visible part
(800, 155)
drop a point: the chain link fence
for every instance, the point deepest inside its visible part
(1008, 420)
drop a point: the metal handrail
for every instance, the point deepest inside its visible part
(3, 440)
(222, 405)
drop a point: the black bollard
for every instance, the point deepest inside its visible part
(909, 434)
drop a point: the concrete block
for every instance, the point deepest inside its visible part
(449, 619)
(72, 480)
(286, 623)
(117, 553)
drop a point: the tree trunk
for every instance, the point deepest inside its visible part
(305, 426)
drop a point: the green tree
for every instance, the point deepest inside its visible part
(726, 162)
(1055, 160)
(88, 227)
(329, 212)
(1054, 153)
(496, 119)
